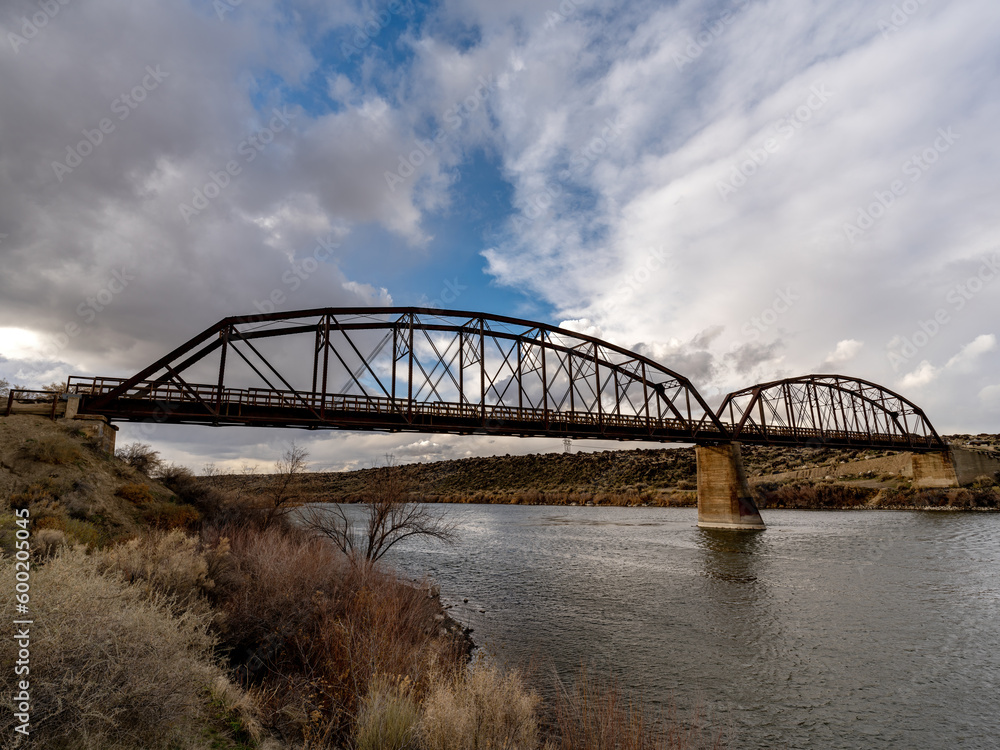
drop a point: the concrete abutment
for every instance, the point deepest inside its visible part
(65, 408)
(724, 500)
(955, 467)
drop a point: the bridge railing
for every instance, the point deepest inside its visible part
(240, 403)
(29, 401)
(902, 441)
(230, 401)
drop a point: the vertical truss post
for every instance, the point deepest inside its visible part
(222, 370)
(395, 356)
(816, 416)
(832, 410)
(316, 360)
(409, 393)
(618, 403)
(326, 364)
(864, 412)
(482, 370)
(645, 396)
(885, 413)
(597, 381)
(843, 414)
(461, 367)
(520, 388)
(569, 371)
(545, 381)
(789, 412)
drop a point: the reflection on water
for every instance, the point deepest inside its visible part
(828, 630)
(731, 555)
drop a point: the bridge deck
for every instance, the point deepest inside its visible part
(210, 405)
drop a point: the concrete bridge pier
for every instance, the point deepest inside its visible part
(724, 500)
(934, 470)
(955, 467)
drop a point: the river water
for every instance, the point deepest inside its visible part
(828, 630)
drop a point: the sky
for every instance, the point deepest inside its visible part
(742, 190)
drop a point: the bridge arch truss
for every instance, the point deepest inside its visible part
(827, 410)
(409, 369)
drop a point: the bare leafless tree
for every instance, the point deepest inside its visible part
(284, 487)
(389, 518)
(140, 457)
(6, 388)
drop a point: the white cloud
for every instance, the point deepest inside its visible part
(925, 374)
(584, 326)
(117, 211)
(966, 358)
(679, 133)
(846, 350)
(19, 343)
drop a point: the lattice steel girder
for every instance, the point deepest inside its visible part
(825, 409)
(413, 356)
(415, 369)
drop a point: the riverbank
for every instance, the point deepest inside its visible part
(168, 613)
(666, 477)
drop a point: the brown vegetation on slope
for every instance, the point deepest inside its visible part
(659, 477)
(233, 633)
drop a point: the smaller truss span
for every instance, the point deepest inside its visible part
(834, 411)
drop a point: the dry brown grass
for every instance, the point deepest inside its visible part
(137, 494)
(311, 631)
(596, 714)
(167, 516)
(217, 506)
(52, 449)
(483, 707)
(46, 542)
(111, 665)
(172, 563)
(388, 717)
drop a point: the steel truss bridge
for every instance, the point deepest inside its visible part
(413, 369)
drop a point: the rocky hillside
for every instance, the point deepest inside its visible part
(665, 476)
(74, 488)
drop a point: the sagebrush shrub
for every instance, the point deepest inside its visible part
(34, 494)
(171, 562)
(83, 532)
(137, 494)
(46, 542)
(50, 522)
(111, 666)
(53, 449)
(169, 516)
(484, 707)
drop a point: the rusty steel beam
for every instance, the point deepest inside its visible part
(863, 396)
(439, 392)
